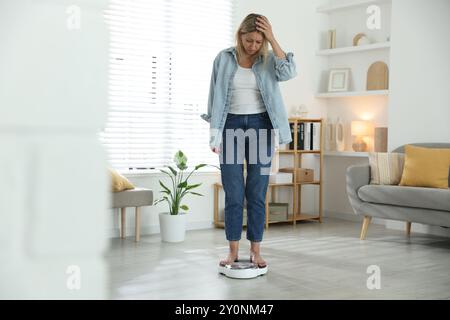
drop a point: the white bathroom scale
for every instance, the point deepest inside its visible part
(242, 269)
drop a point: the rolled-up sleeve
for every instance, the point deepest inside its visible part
(285, 68)
(207, 116)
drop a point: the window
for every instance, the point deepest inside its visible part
(161, 55)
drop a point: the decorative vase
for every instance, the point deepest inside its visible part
(330, 142)
(339, 136)
(172, 227)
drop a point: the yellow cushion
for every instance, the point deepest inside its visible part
(426, 167)
(119, 182)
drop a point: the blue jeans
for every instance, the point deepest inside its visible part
(250, 136)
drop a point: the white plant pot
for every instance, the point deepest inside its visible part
(172, 227)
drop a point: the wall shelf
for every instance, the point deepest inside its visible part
(350, 4)
(344, 50)
(346, 94)
(346, 154)
(298, 151)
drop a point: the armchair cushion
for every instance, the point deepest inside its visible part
(138, 197)
(385, 167)
(416, 197)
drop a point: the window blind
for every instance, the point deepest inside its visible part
(160, 64)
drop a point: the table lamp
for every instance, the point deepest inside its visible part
(361, 129)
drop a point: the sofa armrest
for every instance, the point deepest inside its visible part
(357, 176)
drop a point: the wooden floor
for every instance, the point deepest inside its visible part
(310, 261)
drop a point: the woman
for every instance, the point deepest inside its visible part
(246, 114)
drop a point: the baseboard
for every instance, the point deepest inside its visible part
(154, 229)
(392, 224)
(419, 228)
(351, 217)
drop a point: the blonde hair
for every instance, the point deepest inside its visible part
(249, 25)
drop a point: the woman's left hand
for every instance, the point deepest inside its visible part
(263, 25)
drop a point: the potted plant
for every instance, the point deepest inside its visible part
(173, 223)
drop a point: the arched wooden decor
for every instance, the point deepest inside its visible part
(356, 38)
(360, 39)
(378, 76)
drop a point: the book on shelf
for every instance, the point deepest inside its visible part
(311, 139)
(291, 144)
(308, 136)
(316, 136)
(301, 136)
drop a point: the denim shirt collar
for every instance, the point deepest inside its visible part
(233, 51)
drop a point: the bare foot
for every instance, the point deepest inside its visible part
(229, 260)
(258, 260)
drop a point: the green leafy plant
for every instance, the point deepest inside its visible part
(180, 187)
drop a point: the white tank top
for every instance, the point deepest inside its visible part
(245, 95)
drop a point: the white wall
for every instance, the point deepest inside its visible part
(53, 186)
(419, 109)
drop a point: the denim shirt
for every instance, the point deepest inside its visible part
(267, 77)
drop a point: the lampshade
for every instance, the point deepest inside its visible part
(362, 128)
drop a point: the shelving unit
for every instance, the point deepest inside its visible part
(349, 18)
(296, 214)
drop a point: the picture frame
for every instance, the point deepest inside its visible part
(338, 79)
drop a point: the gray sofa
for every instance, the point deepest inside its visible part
(410, 204)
